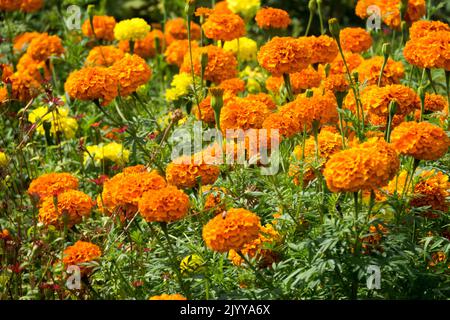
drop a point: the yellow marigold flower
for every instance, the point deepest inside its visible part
(131, 72)
(81, 253)
(366, 166)
(44, 46)
(422, 141)
(272, 18)
(432, 189)
(224, 27)
(131, 29)
(423, 28)
(188, 172)
(369, 71)
(168, 297)
(285, 55)
(103, 56)
(146, 47)
(68, 209)
(113, 151)
(431, 51)
(191, 264)
(243, 114)
(355, 40)
(22, 41)
(91, 84)
(180, 86)
(268, 236)
(3, 159)
(244, 48)
(176, 29)
(329, 143)
(222, 65)
(177, 50)
(58, 118)
(34, 68)
(377, 99)
(300, 81)
(103, 28)
(164, 205)
(52, 184)
(232, 230)
(324, 49)
(246, 8)
(122, 192)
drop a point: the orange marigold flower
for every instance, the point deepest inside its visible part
(176, 29)
(232, 230)
(268, 236)
(52, 184)
(31, 5)
(264, 98)
(364, 167)
(234, 85)
(422, 141)
(145, 48)
(6, 71)
(324, 49)
(44, 46)
(431, 51)
(214, 199)
(3, 95)
(92, 84)
(306, 79)
(5, 234)
(122, 192)
(24, 86)
(355, 40)
(33, 67)
(321, 107)
(22, 41)
(207, 112)
(131, 72)
(369, 71)
(222, 65)
(432, 190)
(279, 121)
(222, 7)
(68, 208)
(435, 103)
(177, 50)
(10, 5)
(285, 55)
(188, 172)
(271, 18)
(164, 205)
(243, 114)
(80, 253)
(423, 28)
(377, 99)
(164, 296)
(103, 27)
(224, 27)
(103, 56)
(336, 83)
(381, 122)
(203, 12)
(353, 61)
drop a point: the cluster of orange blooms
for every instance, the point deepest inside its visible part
(27, 6)
(188, 172)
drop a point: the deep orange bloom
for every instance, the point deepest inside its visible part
(34, 68)
(224, 27)
(353, 61)
(103, 27)
(324, 49)
(272, 18)
(214, 199)
(146, 48)
(336, 83)
(422, 141)
(52, 184)
(435, 103)
(22, 41)
(177, 50)
(431, 51)
(80, 253)
(366, 166)
(164, 205)
(103, 56)
(432, 189)
(10, 5)
(176, 29)
(423, 28)
(232, 230)
(91, 84)
(284, 55)
(131, 72)
(68, 208)
(355, 40)
(188, 172)
(164, 296)
(234, 85)
(279, 121)
(306, 79)
(222, 7)
(243, 114)
(44, 46)
(24, 86)
(207, 112)
(369, 71)
(264, 98)
(222, 65)
(31, 5)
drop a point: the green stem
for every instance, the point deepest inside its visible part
(287, 83)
